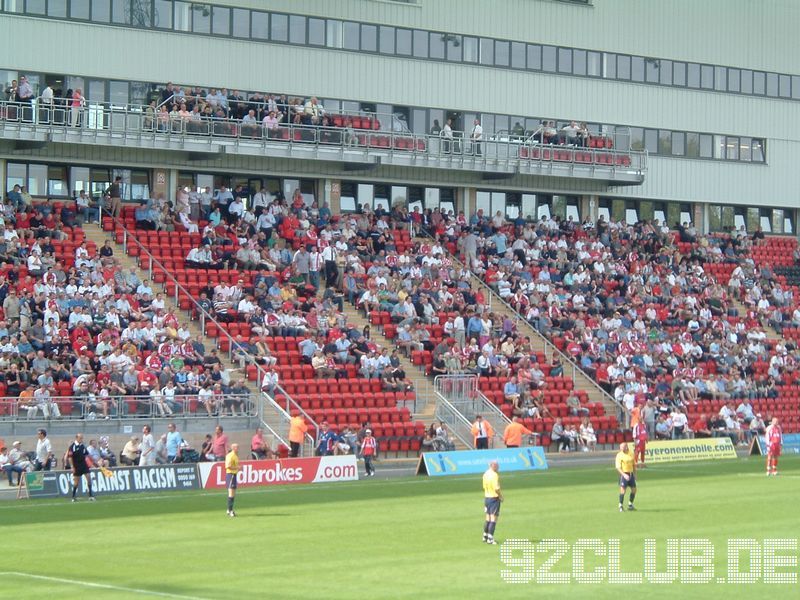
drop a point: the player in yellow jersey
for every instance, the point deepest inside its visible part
(231, 469)
(626, 467)
(492, 499)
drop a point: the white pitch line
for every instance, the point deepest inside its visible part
(102, 586)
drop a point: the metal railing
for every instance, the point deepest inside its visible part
(141, 124)
(120, 407)
(464, 394)
(567, 361)
(284, 416)
(456, 423)
(195, 309)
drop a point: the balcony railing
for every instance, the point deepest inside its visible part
(361, 142)
(64, 408)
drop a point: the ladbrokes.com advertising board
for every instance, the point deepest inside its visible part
(318, 469)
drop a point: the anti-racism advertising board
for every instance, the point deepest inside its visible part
(124, 480)
(318, 469)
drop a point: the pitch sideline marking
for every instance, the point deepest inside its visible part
(103, 586)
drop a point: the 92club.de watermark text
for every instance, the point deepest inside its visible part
(675, 560)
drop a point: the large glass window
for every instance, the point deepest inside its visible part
(79, 9)
(57, 8)
(549, 58)
(679, 74)
(502, 54)
(637, 68)
(404, 43)
(623, 67)
(693, 145)
(35, 7)
(746, 76)
(785, 86)
(518, 55)
(259, 25)
(316, 32)
(201, 18)
(772, 85)
(579, 62)
(241, 23)
(720, 79)
(534, 57)
(734, 80)
(707, 77)
(594, 64)
(471, 52)
(665, 72)
(453, 47)
(386, 40)
(221, 24)
(369, 38)
(297, 30)
(101, 11)
(183, 16)
(759, 83)
(437, 45)
(279, 28)
(564, 60)
(420, 44)
(487, 52)
(693, 75)
(652, 67)
(678, 143)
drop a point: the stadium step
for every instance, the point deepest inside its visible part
(425, 403)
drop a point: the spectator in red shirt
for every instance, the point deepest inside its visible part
(219, 444)
(700, 427)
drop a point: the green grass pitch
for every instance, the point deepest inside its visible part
(396, 538)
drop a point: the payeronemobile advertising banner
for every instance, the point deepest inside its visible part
(697, 449)
(318, 469)
(464, 462)
(123, 480)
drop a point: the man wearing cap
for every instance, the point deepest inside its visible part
(369, 448)
(17, 462)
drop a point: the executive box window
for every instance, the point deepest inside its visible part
(279, 28)
(734, 80)
(472, 51)
(162, 14)
(707, 77)
(420, 43)
(221, 23)
(679, 74)
(350, 35)
(772, 84)
(57, 9)
(517, 55)
(201, 18)
(579, 62)
(746, 79)
(502, 54)
(79, 9)
(487, 52)
(454, 46)
(369, 38)
(101, 11)
(549, 59)
(35, 7)
(637, 69)
(182, 16)
(241, 23)
(297, 30)
(564, 60)
(678, 143)
(664, 72)
(534, 57)
(693, 75)
(720, 79)
(436, 46)
(404, 41)
(784, 86)
(386, 40)
(623, 67)
(652, 67)
(759, 83)
(259, 25)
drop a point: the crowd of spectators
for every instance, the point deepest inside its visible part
(82, 336)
